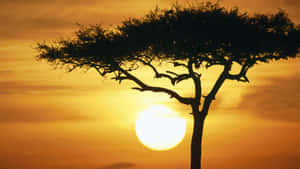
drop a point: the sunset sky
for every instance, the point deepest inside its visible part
(52, 119)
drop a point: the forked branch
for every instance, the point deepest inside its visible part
(144, 87)
(174, 80)
(241, 76)
(212, 94)
(197, 82)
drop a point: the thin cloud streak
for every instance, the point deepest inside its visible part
(34, 87)
(37, 114)
(120, 165)
(19, 87)
(5, 72)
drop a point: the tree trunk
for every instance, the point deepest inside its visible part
(196, 144)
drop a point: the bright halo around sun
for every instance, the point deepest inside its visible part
(160, 128)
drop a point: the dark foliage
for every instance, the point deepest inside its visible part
(207, 34)
(192, 37)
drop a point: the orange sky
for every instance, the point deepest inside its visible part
(50, 119)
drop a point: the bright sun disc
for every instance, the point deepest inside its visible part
(159, 128)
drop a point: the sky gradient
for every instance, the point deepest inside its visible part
(51, 119)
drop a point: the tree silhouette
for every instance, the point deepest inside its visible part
(188, 38)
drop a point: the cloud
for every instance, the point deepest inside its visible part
(14, 108)
(49, 17)
(53, 18)
(19, 113)
(280, 161)
(292, 2)
(5, 72)
(31, 87)
(120, 165)
(19, 87)
(279, 99)
(284, 160)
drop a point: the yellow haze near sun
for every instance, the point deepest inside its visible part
(160, 128)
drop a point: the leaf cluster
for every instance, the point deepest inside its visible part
(207, 34)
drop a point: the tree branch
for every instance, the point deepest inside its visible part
(211, 96)
(176, 64)
(144, 87)
(174, 80)
(103, 72)
(241, 76)
(197, 82)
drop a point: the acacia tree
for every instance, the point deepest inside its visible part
(187, 37)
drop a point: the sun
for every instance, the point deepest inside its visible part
(160, 128)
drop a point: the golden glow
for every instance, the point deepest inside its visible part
(54, 119)
(160, 128)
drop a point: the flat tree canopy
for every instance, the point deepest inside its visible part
(204, 35)
(208, 35)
